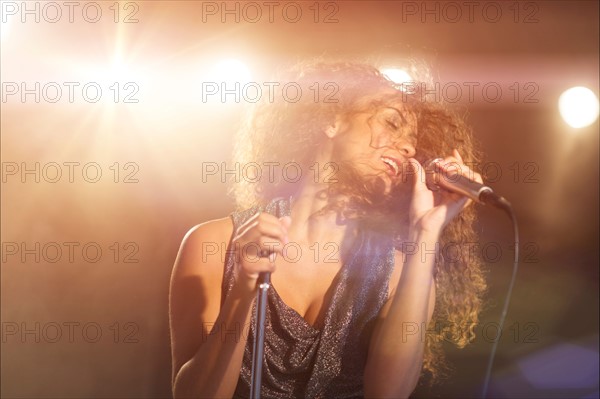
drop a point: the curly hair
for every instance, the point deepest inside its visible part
(285, 131)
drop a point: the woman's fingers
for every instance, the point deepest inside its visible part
(455, 164)
(263, 224)
(257, 243)
(457, 155)
(286, 222)
(420, 175)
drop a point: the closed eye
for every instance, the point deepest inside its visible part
(392, 124)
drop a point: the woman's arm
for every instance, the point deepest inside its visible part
(204, 364)
(397, 345)
(207, 340)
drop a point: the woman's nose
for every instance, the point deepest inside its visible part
(406, 148)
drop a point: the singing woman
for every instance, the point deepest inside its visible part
(370, 267)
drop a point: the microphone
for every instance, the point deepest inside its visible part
(437, 178)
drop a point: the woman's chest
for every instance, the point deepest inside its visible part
(307, 287)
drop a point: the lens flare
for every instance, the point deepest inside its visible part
(578, 107)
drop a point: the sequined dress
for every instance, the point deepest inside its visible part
(302, 361)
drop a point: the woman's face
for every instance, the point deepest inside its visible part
(377, 144)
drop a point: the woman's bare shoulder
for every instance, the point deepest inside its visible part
(213, 229)
(195, 292)
(205, 244)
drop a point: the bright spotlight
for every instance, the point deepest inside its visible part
(116, 72)
(397, 75)
(231, 70)
(578, 107)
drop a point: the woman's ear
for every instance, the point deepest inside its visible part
(332, 130)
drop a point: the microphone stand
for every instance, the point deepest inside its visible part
(264, 282)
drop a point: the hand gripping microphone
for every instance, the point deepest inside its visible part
(437, 178)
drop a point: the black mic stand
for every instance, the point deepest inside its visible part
(264, 282)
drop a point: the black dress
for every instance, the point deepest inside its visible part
(302, 361)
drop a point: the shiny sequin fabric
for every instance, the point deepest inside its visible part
(302, 361)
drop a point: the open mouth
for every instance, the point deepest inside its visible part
(393, 166)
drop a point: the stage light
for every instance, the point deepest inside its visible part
(117, 69)
(224, 82)
(578, 107)
(231, 70)
(397, 75)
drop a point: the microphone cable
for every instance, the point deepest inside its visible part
(507, 207)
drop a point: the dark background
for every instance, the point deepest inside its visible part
(549, 345)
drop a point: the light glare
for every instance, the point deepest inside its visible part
(231, 70)
(397, 75)
(578, 107)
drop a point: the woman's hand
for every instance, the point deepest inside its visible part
(431, 211)
(256, 243)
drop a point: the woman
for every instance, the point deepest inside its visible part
(356, 241)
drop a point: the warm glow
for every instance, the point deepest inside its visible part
(578, 107)
(397, 75)
(231, 70)
(4, 29)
